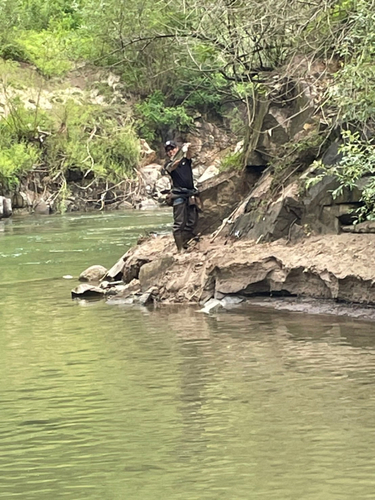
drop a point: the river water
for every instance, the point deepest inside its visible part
(110, 402)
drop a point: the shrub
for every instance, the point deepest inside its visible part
(91, 139)
(155, 118)
(16, 160)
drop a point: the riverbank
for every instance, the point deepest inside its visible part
(335, 268)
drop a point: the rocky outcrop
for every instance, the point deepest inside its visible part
(334, 267)
(220, 196)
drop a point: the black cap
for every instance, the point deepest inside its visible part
(170, 145)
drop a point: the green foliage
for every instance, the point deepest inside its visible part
(233, 161)
(86, 138)
(23, 124)
(353, 92)
(38, 14)
(46, 51)
(293, 155)
(15, 160)
(14, 51)
(201, 92)
(90, 139)
(357, 164)
(155, 118)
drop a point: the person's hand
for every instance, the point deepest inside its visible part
(185, 147)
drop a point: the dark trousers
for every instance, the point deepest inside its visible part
(185, 219)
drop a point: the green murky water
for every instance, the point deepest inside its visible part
(111, 402)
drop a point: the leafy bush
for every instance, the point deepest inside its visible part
(23, 124)
(155, 118)
(14, 52)
(91, 139)
(15, 160)
(86, 138)
(46, 51)
(202, 92)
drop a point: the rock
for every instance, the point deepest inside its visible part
(93, 273)
(148, 272)
(21, 200)
(150, 174)
(148, 204)
(147, 297)
(212, 305)
(220, 195)
(7, 207)
(42, 208)
(148, 155)
(362, 227)
(210, 172)
(133, 287)
(239, 147)
(85, 290)
(272, 222)
(227, 302)
(125, 205)
(230, 301)
(116, 271)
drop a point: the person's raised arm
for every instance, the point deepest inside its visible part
(186, 149)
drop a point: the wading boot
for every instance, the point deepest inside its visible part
(178, 239)
(188, 237)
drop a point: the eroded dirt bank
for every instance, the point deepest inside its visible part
(332, 267)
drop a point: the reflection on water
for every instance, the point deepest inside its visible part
(104, 401)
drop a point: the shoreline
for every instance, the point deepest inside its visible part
(325, 274)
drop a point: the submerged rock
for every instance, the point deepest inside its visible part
(85, 290)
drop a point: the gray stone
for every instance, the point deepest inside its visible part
(85, 290)
(271, 224)
(42, 208)
(148, 155)
(93, 273)
(212, 305)
(148, 204)
(220, 195)
(7, 207)
(125, 205)
(130, 288)
(362, 227)
(230, 301)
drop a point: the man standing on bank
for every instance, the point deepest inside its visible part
(184, 195)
